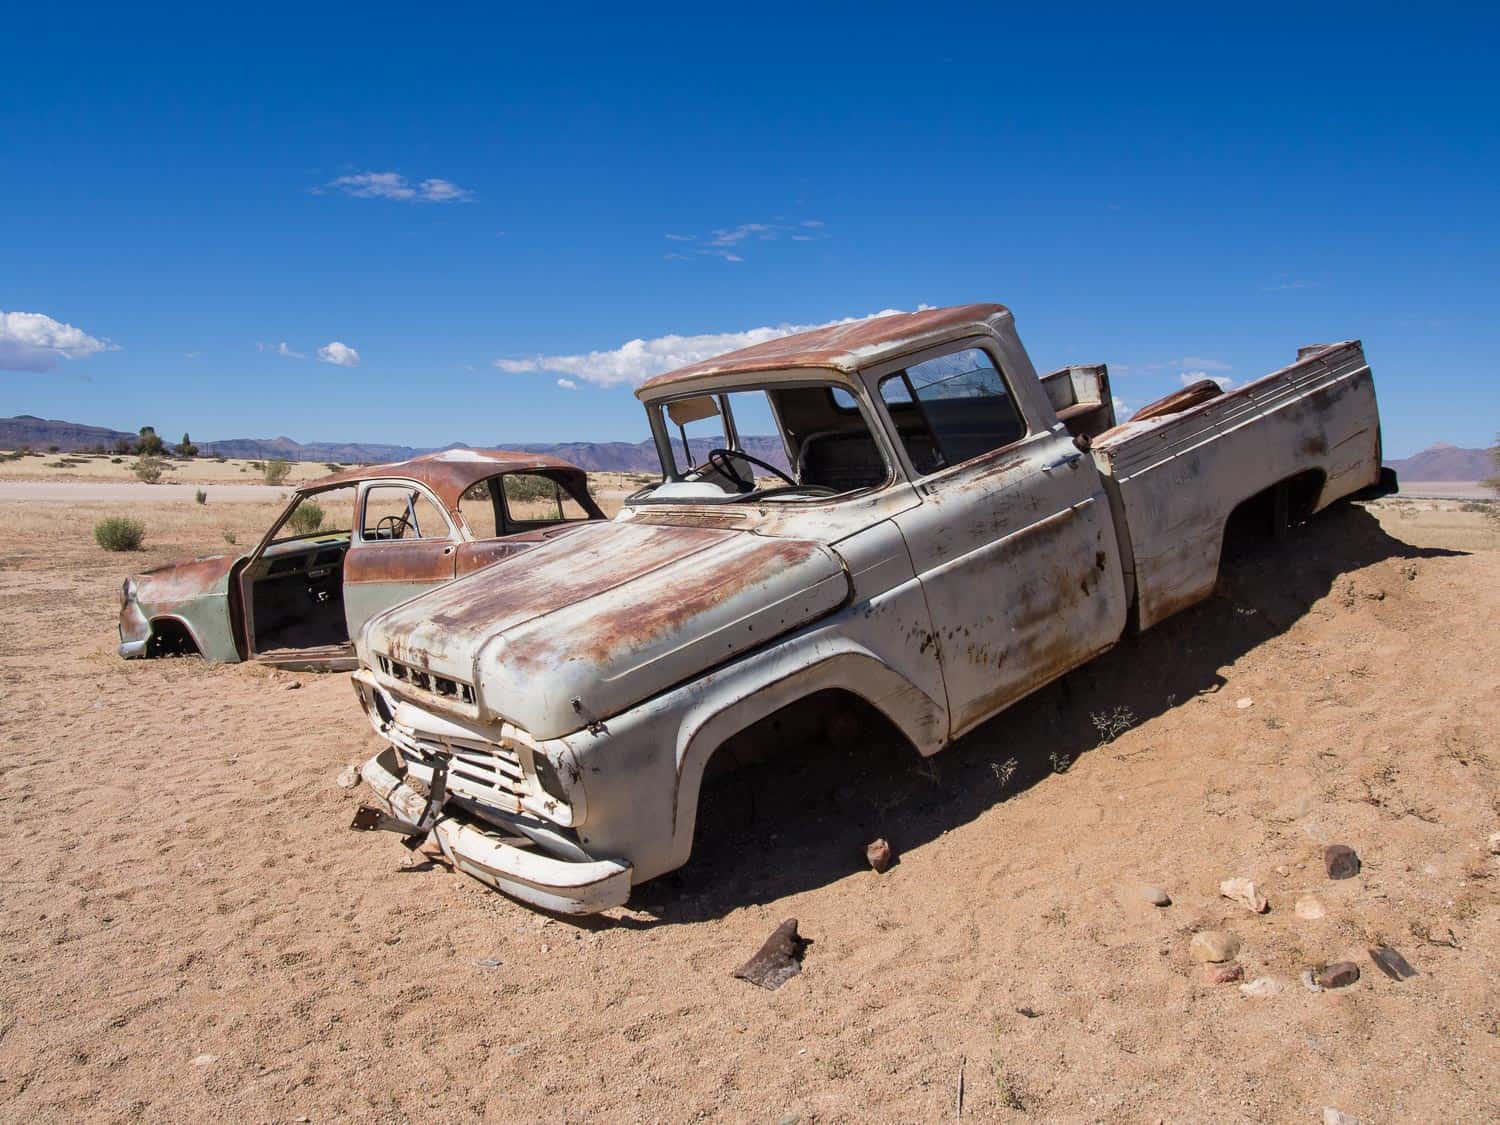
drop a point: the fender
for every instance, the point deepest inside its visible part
(840, 664)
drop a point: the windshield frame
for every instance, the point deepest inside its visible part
(665, 441)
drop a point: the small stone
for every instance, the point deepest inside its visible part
(1156, 896)
(1495, 843)
(1244, 703)
(292, 685)
(1391, 963)
(1308, 909)
(348, 777)
(1259, 987)
(1340, 974)
(205, 1060)
(489, 963)
(1223, 974)
(1341, 861)
(880, 856)
(1213, 946)
(1333, 1116)
(1308, 982)
(1246, 893)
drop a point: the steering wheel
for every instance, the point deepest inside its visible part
(721, 459)
(399, 526)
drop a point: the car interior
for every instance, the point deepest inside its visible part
(296, 586)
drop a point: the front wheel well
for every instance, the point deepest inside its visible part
(170, 637)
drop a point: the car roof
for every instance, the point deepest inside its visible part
(844, 347)
(449, 472)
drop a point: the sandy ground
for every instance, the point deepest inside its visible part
(190, 932)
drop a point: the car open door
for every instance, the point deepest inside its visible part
(403, 543)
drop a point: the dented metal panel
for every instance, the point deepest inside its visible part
(1176, 478)
(606, 619)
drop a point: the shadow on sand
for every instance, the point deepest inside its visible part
(799, 813)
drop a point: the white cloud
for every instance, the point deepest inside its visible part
(567, 384)
(393, 185)
(1200, 363)
(283, 349)
(341, 354)
(35, 342)
(635, 361)
(1123, 409)
(191, 355)
(729, 243)
(1189, 377)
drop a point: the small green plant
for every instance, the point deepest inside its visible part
(1005, 1089)
(147, 468)
(117, 460)
(257, 465)
(119, 533)
(54, 448)
(276, 472)
(148, 441)
(230, 537)
(307, 518)
(331, 467)
(200, 496)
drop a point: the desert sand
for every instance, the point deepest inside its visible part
(191, 932)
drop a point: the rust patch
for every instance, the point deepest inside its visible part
(841, 347)
(168, 586)
(449, 474)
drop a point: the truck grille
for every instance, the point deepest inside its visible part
(477, 770)
(424, 680)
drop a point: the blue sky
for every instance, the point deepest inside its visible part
(1171, 191)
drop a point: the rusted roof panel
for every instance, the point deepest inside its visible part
(450, 472)
(839, 347)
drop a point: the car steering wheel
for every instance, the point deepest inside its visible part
(721, 459)
(400, 525)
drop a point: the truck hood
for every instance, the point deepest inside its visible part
(607, 616)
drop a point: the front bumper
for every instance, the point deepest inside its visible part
(135, 630)
(559, 885)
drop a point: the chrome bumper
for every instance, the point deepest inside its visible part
(135, 630)
(559, 885)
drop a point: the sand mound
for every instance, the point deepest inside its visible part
(190, 931)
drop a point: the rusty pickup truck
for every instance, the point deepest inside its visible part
(948, 532)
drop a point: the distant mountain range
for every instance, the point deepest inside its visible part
(1440, 462)
(1447, 462)
(603, 456)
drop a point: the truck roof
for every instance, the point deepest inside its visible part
(842, 347)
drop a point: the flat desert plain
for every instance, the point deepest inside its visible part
(190, 931)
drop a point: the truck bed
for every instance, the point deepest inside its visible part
(1173, 481)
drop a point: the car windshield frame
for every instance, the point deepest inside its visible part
(667, 443)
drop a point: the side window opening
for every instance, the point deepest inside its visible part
(394, 511)
(951, 409)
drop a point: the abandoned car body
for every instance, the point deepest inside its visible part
(294, 601)
(953, 533)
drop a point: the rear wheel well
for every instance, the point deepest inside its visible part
(1271, 513)
(170, 637)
